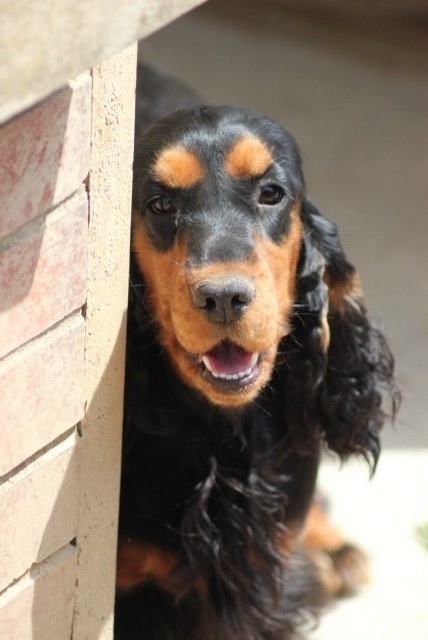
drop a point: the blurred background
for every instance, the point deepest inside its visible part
(349, 80)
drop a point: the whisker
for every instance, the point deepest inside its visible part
(179, 264)
(262, 408)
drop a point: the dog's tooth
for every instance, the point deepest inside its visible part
(254, 359)
(229, 376)
(206, 362)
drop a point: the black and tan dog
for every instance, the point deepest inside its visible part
(249, 349)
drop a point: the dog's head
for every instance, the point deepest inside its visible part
(235, 257)
(218, 235)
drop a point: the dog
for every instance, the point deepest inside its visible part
(249, 351)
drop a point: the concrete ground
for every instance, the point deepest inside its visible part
(382, 515)
(355, 95)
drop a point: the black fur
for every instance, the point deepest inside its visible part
(217, 485)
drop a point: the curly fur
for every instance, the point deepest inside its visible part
(359, 372)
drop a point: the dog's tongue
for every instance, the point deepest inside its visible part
(228, 358)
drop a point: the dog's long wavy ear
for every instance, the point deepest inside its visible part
(359, 370)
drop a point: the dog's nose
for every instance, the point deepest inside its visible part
(224, 299)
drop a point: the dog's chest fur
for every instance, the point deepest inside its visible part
(183, 450)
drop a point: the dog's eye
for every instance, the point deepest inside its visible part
(161, 205)
(270, 194)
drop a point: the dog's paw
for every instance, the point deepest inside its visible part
(342, 572)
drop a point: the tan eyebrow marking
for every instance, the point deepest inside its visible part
(178, 167)
(249, 157)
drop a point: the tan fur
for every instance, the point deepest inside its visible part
(316, 533)
(178, 167)
(325, 327)
(138, 563)
(342, 567)
(343, 296)
(319, 532)
(249, 157)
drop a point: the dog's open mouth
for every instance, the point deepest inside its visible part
(229, 366)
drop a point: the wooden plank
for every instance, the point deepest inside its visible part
(39, 510)
(43, 272)
(41, 392)
(44, 154)
(40, 605)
